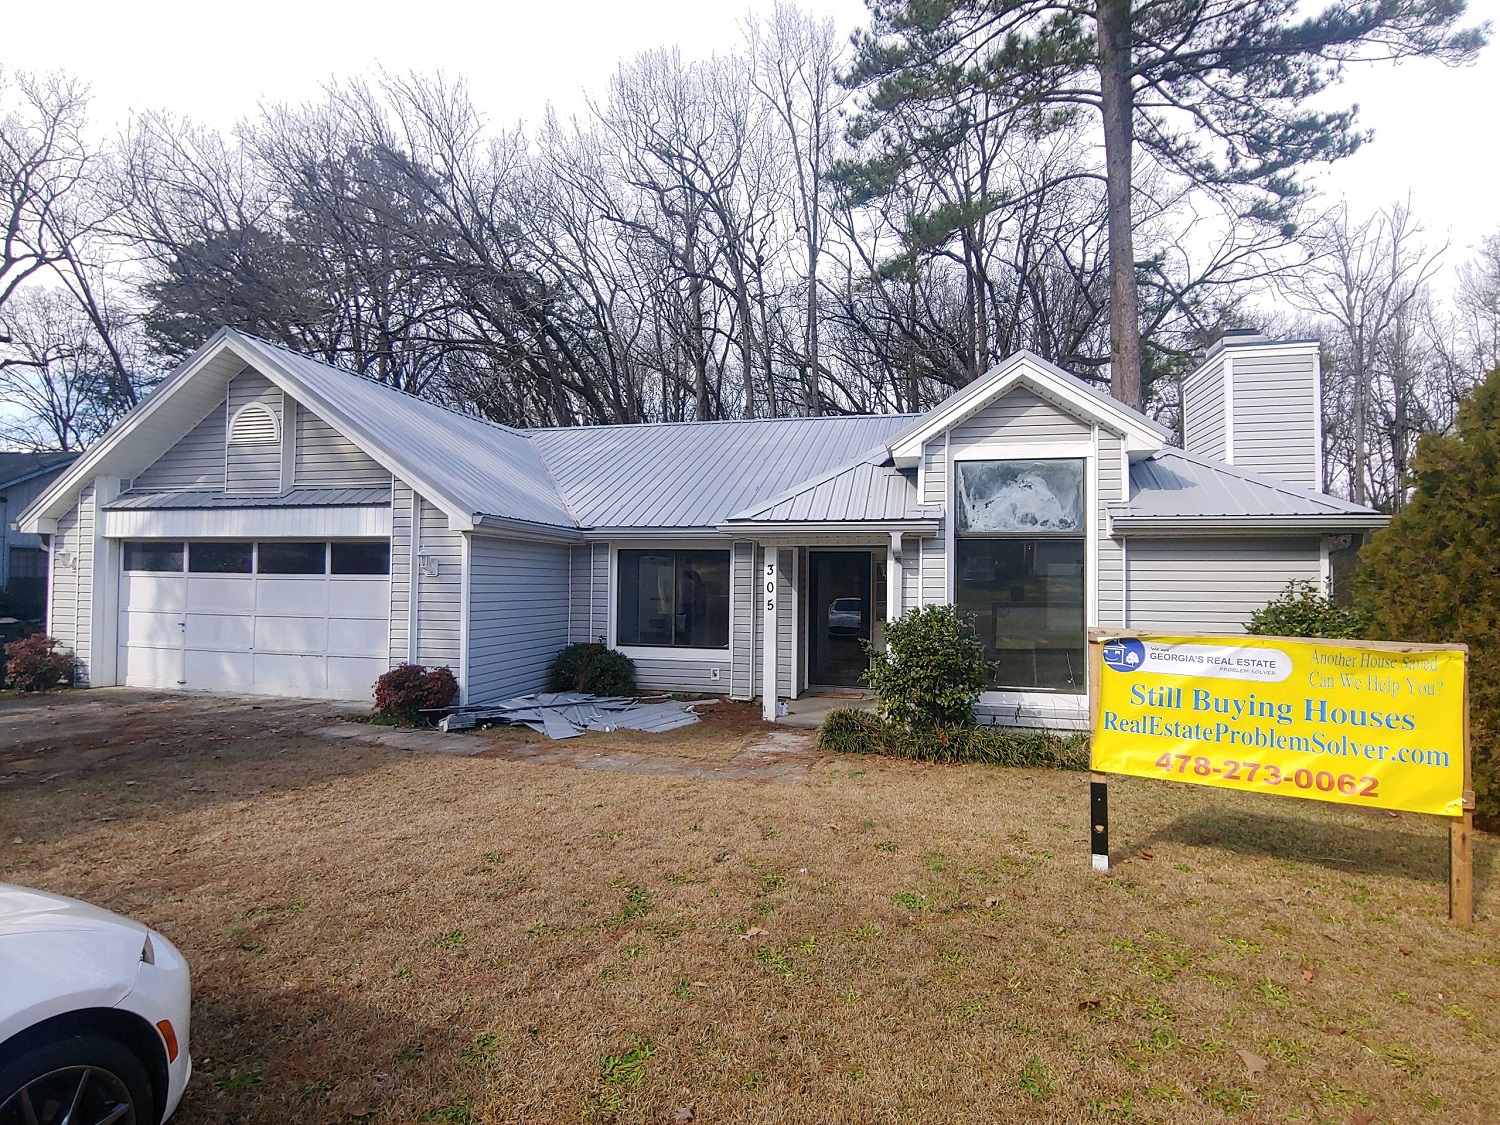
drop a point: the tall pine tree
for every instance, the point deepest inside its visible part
(1215, 91)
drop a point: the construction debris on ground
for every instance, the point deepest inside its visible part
(567, 714)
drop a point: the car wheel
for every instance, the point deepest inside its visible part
(80, 1079)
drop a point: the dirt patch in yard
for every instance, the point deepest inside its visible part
(390, 937)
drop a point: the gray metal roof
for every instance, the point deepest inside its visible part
(870, 490)
(695, 474)
(482, 467)
(292, 498)
(16, 467)
(1177, 485)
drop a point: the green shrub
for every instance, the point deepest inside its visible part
(1304, 609)
(1433, 575)
(37, 663)
(407, 690)
(861, 732)
(594, 669)
(930, 672)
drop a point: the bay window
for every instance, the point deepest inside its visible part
(1019, 553)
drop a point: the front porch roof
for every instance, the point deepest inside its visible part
(868, 493)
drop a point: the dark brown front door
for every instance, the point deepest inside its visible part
(839, 618)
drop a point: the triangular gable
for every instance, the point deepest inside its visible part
(1141, 435)
(466, 466)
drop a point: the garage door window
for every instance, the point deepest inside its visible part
(220, 558)
(153, 558)
(293, 558)
(361, 558)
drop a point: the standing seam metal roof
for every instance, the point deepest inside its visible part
(1175, 484)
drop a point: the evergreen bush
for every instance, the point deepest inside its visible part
(860, 732)
(1304, 609)
(593, 668)
(409, 689)
(37, 663)
(930, 672)
(1433, 574)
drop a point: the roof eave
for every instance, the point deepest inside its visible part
(918, 527)
(1188, 526)
(525, 529)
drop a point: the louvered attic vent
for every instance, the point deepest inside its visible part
(253, 424)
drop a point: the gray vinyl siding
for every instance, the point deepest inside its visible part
(195, 462)
(911, 573)
(439, 596)
(1203, 410)
(1212, 585)
(580, 591)
(518, 615)
(931, 579)
(402, 500)
(254, 469)
(1019, 416)
(1110, 575)
(1275, 416)
(327, 459)
(744, 583)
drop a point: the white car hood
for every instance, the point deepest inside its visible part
(26, 911)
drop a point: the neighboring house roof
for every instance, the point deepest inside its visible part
(869, 490)
(695, 474)
(292, 498)
(1175, 489)
(1142, 435)
(16, 467)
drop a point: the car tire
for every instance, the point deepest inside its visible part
(51, 1074)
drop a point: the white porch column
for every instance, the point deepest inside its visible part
(768, 658)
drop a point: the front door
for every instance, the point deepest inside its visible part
(840, 616)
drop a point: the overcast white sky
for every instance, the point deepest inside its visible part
(216, 62)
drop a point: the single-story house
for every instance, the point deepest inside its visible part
(23, 560)
(266, 523)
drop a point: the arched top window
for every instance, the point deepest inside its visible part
(254, 424)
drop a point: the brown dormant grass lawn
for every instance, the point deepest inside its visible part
(381, 936)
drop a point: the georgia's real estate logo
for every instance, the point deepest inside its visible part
(1203, 658)
(1124, 656)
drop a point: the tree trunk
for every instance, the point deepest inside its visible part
(1117, 101)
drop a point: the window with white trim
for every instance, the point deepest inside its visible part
(673, 599)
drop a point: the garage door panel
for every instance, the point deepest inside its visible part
(359, 597)
(292, 675)
(161, 593)
(151, 630)
(150, 667)
(215, 594)
(234, 671)
(293, 597)
(357, 638)
(292, 635)
(353, 677)
(233, 632)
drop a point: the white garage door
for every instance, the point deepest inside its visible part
(272, 618)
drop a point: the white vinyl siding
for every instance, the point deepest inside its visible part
(439, 596)
(931, 584)
(327, 459)
(518, 615)
(84, 576)
(1276, 429)
(196, 462)
(254, 468)
(1212, 585)
(62, 606)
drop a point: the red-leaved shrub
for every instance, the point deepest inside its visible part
(408, 689)
(37, 663)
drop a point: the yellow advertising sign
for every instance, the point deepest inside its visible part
(1376, 726)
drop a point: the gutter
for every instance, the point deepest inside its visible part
(1179, 527)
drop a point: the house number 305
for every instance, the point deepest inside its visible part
(770, 588)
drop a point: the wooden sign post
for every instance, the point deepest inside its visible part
(1360, 723)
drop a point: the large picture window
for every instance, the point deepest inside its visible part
(1019, 569)
(676, 599)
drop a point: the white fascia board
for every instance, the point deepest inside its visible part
(503, 527)
(906, 448)
(58, 498)
(1178, 528)
(875, 528)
